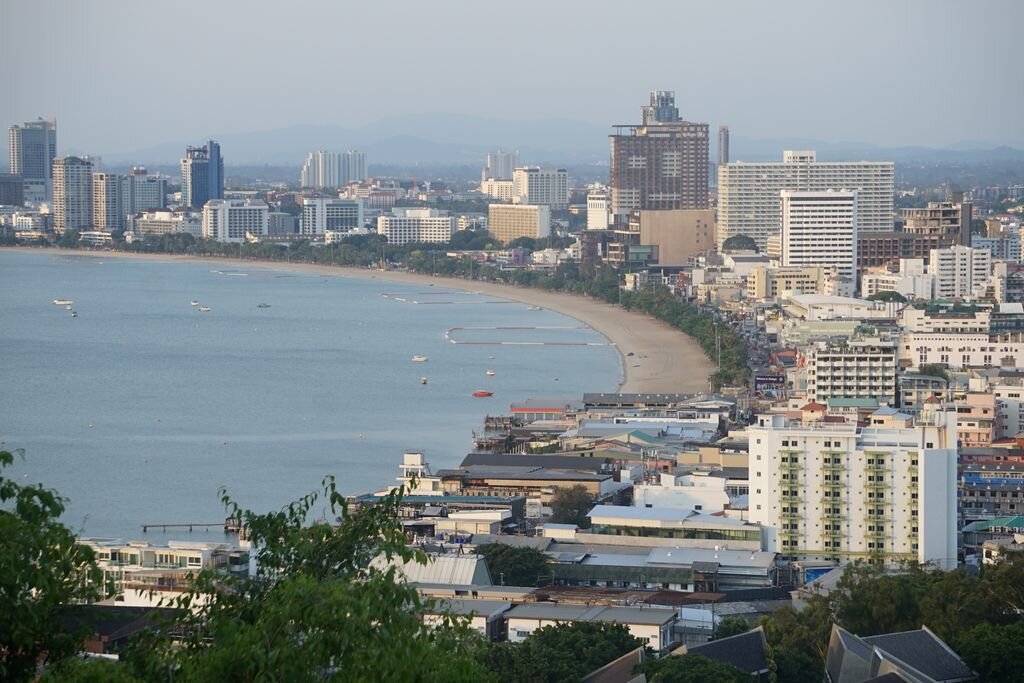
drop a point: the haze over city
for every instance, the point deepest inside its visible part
(124, 76)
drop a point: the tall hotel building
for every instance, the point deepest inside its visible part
(886, 492)
(416, 225)
(233, 220)
(550, 187)
(202, 175)
(72, 194)
(499, 165)
(111, 200)
(32, 147)
(512, 221)
(320, 216)
(328, 170)
(660, 164)
(749, 200)
(820, 229)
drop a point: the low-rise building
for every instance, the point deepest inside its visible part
(767, 282)
(652, 625)
(857, 368)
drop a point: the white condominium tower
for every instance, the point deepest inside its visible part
(820, 229)
(320, 216)
(548, 187)
(416, 225)
(111, 201)
(749, 193)
(959, 272)
(325, 170)
(885, 492)
(72, 194)
(233, 220)
(499, 165)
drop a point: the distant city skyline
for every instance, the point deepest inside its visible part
(769, 71)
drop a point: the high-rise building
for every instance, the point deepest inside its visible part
(335, 215)
(862, 367)
(660, 164)
(820, 229)
(72, 194)
(959, 271)
(202, 175)
(12, 189)
(234, 220)
(597, 211)
(549, 187)
(32, 147)
(503, 190)
(749, 200)
(149, 192)
(328, 170)
(723, 145)
(416, 225)
(111, 201)
(512, 221)
(887, 491)
(950, 221)
(499, 165)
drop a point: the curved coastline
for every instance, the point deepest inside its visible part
(653, 357)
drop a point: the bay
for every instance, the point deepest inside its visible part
(140, 408)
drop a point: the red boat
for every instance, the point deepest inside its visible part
(482, 394)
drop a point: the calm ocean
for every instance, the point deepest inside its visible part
(142, 406)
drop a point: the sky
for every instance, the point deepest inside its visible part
(122, 75)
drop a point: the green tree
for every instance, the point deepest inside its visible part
(692, 668)
(42, 568)
(996, 652)
(934, 370)
(806, 631)
(794, 666)
(571, 506)
(739, 243)
(512, 565)
(562, 653)
(731, 626)
(888, 296)
(326, 603)
(76, 670)
(68, 239)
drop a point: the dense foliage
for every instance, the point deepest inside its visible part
(692, 668)
(513, 565)
(739, 243)
(571, 506)
(42, 569)
(559, 654)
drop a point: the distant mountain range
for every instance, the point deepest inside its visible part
(461, 139)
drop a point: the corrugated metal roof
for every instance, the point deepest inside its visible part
(446, 569)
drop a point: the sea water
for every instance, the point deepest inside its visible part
(141, 407)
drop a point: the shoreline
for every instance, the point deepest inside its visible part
(653, 357)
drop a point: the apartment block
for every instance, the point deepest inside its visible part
(949, 221)
(541, 187)
(820, 229)
(749, 194)
(416, 225)
(511, 221)
(502, 190)
(959, 272)
(72, 194)
(856, 368)
(111, 201)
(328, 170)
(886, 492)
(235, 220)
(167, 223)
(320, 216)
(766, 282)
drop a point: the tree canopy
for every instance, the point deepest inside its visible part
(740, 243)
(512, 565)
(571, 506)
(692, 668)
(42, 568)
(888, 296)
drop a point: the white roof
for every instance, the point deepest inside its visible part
(446, 569)
(662, 514)
(823, 299)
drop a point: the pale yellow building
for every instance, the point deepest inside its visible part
(678, 234)
(512, 221)
(765, 282)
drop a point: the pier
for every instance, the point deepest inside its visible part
(230, 525)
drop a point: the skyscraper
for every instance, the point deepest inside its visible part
(72, 194)
(723, 145)
(149, 192)
(32, 149)
(324, 170)
(202, 175)
(111, 201)
(660, 164)
(499, 165)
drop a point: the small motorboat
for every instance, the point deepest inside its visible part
(262, 305)
(482, 394)
(62, 302)
(194, 302)
(204, 309)
(419, 359)
(68, 308)
(74, 314)
(490, 373)
(423, 380)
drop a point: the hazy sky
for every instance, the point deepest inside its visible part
(121, 75)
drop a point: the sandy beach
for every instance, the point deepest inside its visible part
(655, 357)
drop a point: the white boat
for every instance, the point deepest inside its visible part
(74, 314)
(62, 302)
(490, 373)
(419, 359)
(423, 380)
(68, 307)
(194, 302)
(204, 309)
